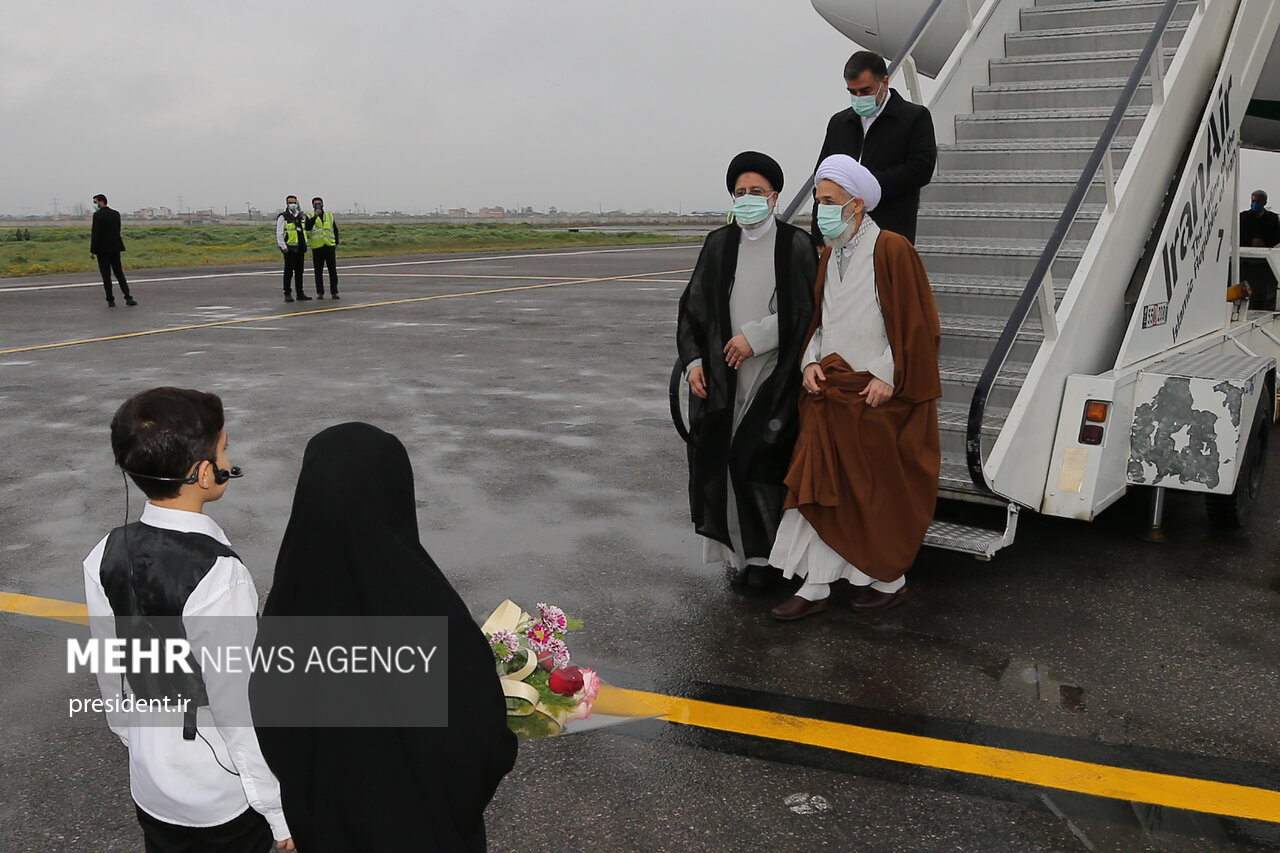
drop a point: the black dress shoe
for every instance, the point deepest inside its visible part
(302, 297)
(333, 295)
(111, 303)
(288, 298)
(873, 599)
(796, 607)
(761, 577)
(130, 301)
(320, 295)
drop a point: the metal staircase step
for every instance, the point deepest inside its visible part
(1075, 39)
(981, 542)
(995, 256)
(993, 155)
(954, 477)
(967, 371)
(1083, 65)
(1049, 187)
(1017, 221)
(973, 336)
(1042, 123)
(1112, 12)
(953, 424)
(1004, 287)
(1032, 94)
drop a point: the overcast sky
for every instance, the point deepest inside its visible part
(407, 105)
(582, 104)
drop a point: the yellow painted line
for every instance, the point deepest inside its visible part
(1046, 771)
(460, 275)
(406, 301)
(44, 608)
(1029, 768)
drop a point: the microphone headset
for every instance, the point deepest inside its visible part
(220, 475)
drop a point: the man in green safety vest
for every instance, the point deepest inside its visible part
(322, 237)
(291, 237)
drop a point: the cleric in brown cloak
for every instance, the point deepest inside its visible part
(741, 329)
(864, 480)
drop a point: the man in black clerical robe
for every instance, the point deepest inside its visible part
(743, 403)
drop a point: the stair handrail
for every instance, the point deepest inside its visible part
(1152, 58)
(913, 84)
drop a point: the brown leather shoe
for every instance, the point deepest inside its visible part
(872, 600)
(796, 607)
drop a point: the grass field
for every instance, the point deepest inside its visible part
(58, 249)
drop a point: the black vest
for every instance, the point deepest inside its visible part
(148, 574)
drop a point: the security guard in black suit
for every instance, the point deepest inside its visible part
(889, 135)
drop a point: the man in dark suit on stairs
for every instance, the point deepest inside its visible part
(106, 245)
(889, 135)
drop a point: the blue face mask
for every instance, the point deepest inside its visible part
(293, 207)
(750, 209)
(1256, 207)
(865, 105)
(831, 220)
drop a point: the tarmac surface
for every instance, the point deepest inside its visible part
(531, 391)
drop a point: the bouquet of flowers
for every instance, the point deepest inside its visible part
(544, 691)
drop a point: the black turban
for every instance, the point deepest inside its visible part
(754, 161)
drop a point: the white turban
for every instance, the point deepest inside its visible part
(852, 176)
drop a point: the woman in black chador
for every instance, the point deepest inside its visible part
(352, 549)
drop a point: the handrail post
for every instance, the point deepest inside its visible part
(1111, 181)
(1048, 315)
(913, 79)
(1157, 74)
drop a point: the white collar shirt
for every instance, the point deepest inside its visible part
(182, 782)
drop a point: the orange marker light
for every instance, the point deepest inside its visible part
(1095, 411)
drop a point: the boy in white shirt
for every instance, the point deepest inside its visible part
(198, 778)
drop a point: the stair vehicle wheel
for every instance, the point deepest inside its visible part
(1233, 510)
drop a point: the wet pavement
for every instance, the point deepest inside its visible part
(530, 390)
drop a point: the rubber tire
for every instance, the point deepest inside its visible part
(1233, 510)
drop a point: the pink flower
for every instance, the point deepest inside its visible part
(539, 636)
(559, 652)
(553, 618)
(505, 644)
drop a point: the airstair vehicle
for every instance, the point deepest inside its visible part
(1080, 233)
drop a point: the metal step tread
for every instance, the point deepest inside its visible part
(993, 286)
(984, 326)
(967, 371)
(1065, 143)
(1011, 176)
(1087, 5)
(954, 417)
(1078, 56)
(1058, 85)
(999, 210)
(1001, 246)
(954, 476)
(964, 538)
(984, 285)
(1103, 30)
(1051, 113)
